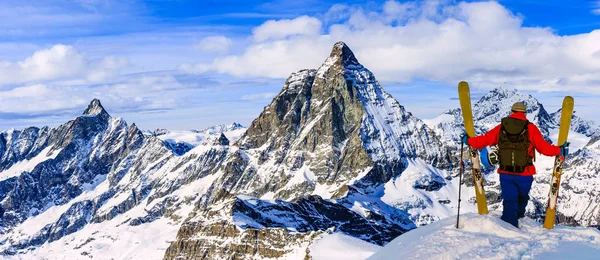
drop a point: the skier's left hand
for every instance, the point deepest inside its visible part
(564, 149)
(464, 137)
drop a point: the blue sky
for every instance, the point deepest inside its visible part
(191, 64)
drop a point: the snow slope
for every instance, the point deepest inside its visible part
(27, 165)
(233, 132)
(340, 246)
(488, 237)
(110, 240)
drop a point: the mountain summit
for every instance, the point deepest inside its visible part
(342, 54)
(95, 108)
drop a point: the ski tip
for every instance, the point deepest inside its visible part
(463, 87)
(568, 99)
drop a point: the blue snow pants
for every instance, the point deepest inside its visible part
(515, 195)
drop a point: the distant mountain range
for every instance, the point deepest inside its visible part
(180, 142)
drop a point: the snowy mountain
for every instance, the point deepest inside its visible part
(323, 150)
(182, 141)
(487, 113)
(495, 105)
(333, 160)
(89, 186)
(232, 130)
(491, 238)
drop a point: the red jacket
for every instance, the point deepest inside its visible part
(535, 136)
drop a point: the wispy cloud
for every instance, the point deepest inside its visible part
(260, 96)
(26, 19)
(39, 98)
(140, 92)
(596, 9)
(151, 99)
(214, 44)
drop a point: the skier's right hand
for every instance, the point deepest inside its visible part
(484, 158)
(564, 149)
(464, 137)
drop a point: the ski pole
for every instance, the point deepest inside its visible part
(460, 182)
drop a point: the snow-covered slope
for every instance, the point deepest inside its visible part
(340, 246)
(233, 132)
(488, 237)
(181, 141)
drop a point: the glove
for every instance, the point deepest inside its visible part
(464, 137)
(484, 158)
(564, 149)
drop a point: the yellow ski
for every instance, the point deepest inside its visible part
(563, 133)
(464, 95)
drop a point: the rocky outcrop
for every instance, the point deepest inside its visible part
(241, 244)
(256, 228)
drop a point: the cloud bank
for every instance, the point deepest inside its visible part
(482, 42)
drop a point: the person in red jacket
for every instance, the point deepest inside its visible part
(517, 141)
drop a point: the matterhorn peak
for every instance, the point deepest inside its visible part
(341, 52)
(95, 109)
(340, 58)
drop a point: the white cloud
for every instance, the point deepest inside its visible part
(280, 29)
(214, 44)
(59, 62)
(481, 42)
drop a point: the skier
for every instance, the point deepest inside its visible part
(517, 140)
